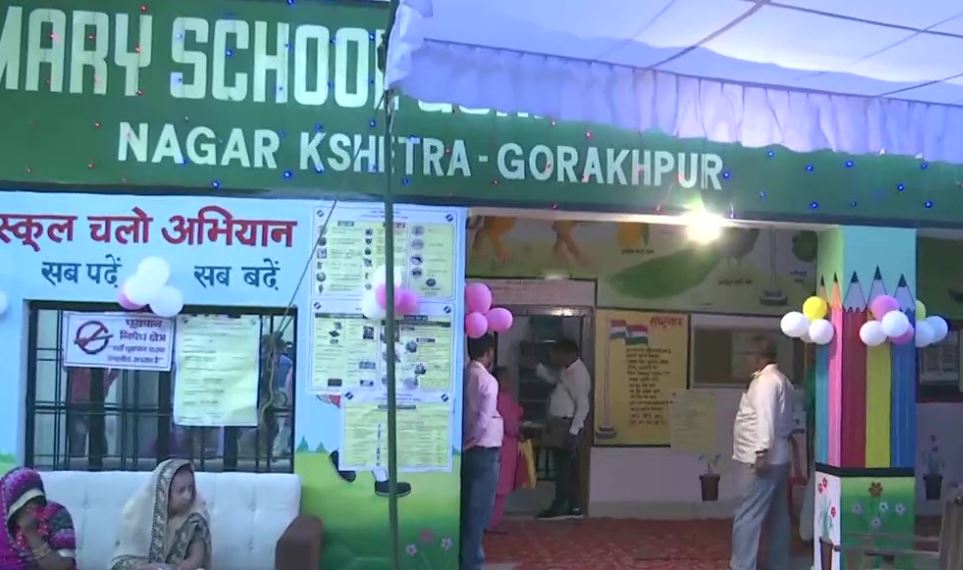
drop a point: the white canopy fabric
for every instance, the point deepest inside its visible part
(857, 76)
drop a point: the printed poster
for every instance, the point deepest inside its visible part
(346, 353)
(120, 341)
(217, 371)
(424, 434)
(641, 363)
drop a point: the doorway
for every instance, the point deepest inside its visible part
(536, 329)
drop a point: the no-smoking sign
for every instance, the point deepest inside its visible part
(118, 341)
(92, 337)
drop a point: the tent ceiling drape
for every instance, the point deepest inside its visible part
(858, 76)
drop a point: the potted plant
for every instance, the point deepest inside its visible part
(933, 476)
(710, 479)
(827, 513)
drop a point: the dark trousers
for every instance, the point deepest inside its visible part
(566, 478)
(479, 480)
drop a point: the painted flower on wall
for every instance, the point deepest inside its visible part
(427, 551)
(874, 509)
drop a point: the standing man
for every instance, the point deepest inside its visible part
(761, 435)
(483, 432)
(568, 407)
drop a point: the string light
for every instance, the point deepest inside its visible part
(763, 194)
(726, 175)
(319, 169)
(810, 168)
(216, 184)
(850, 164)
(771, 153)
(406, 181)
(853, 204)
(288, 174)
(900, 187)
(814, 205)
(143, 8)
(97, 125)
(928, 204)
(924, 165)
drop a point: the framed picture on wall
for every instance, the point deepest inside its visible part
(722, 351)
(939, 364)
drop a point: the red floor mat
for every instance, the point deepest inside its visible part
(612, 544)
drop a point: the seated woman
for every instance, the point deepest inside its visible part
(165, 525)
(38, 534)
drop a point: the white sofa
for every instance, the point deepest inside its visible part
(249, 513)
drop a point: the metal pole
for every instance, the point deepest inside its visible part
(390, 338)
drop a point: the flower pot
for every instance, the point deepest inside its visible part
(710, 486)
(825, 554)
(933, 484)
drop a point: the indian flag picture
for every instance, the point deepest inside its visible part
(617, 330)
(637, 335)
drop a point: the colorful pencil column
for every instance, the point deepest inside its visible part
(853, 390)
(835, 376)
(821, 375)
(878, 394)
(617, 331)
(903, 428)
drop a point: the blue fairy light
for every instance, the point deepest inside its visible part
(850, 164)
(853, 204)
(216, 184)
(928, 204)
(726, 174)
(763, 194)
(771, 153)
(228, 52)
(810, 168)
(318, 127)
(813, 205)
(288, 174)
(406, 181)
(900, 187)
(319, 168)
(924, 165)
(371, 36)
(372, 123)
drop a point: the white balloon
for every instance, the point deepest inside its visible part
(794, 324)
(370, 308)
(806, 338)
(895, 324)
(821, 331)
(872, 333)
(380, 276)
(155, 270)
(4, 303)
(939, 326)
(168, 302)
(141, 291)
(924, 334)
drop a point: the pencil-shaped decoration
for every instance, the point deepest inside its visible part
(903, 427)
(853, 421)
(821, 375)
(835, 377)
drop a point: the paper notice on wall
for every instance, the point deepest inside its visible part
(693, 422)
(424, 434)
(120, 341)
(216, 371)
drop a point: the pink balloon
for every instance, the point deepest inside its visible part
(476, 325)
(406, 302)
(478, 298)
(883, 304)
(905, 338)
(499, 319)
(381, 296)
(126, 303)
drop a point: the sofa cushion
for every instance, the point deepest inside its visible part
(249, 512)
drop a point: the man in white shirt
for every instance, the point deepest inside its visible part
(763, 426)
(568, 407)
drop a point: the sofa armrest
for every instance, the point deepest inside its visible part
(299, 548)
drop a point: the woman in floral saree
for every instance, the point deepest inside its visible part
(165, 525)
(38, 534)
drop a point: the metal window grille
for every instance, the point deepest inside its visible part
(96, 419)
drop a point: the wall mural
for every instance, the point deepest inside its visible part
(652, 266)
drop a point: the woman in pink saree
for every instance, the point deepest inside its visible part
(513, 472)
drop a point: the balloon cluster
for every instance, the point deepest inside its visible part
(889, 322)
(481, 318)
(374, 303)
(810, 325)
(148, 286)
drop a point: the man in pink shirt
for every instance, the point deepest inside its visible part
(483, 431)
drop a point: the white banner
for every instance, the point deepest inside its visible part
(121, 341)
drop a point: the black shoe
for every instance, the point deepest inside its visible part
(382, 490)
(553, 512)
(575, 513)
(348, 476)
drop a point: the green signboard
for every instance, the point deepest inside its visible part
(245, 95)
